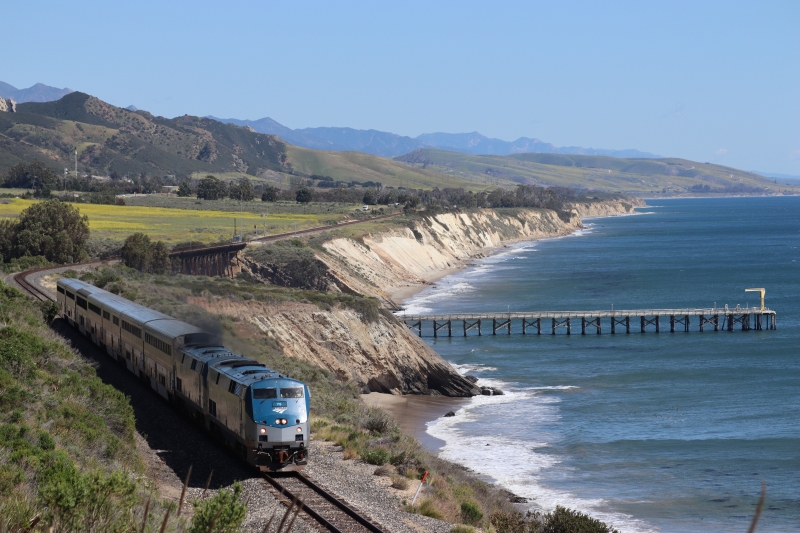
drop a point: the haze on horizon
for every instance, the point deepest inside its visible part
(713, 82)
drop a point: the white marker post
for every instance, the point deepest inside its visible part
(424, 477)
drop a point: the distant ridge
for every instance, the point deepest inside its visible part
(388, 144)
(36, 93)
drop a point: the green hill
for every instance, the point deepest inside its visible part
(631, 176)
(111, 139)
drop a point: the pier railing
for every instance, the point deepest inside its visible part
(720, 318)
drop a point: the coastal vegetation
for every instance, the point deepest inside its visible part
(68, 456)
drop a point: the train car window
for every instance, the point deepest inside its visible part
(70, 295)
(81, 303)
(133, 330)
(264, 394)
(158, 343)
(212, 408)
(183, 358)
(179, 384)
(292, 393)
(217, 382)
(194, 364)
(116, 321)
(94, 309)
(231, 386)
(60, 289)
(106, 316)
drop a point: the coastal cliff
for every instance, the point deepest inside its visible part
(378, 354)
(374, 349)
(395, 264)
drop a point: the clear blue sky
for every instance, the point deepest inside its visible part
(709, 81)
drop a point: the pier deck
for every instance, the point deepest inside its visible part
(619, 321)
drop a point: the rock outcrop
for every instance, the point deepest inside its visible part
(7, 105)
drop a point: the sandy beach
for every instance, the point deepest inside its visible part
(413, 413)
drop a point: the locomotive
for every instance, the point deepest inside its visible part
(258, 412)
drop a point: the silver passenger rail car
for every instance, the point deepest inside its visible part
(258, 412)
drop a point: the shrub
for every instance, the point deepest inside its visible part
(512, 522)
(376, 456)
(225, 512)
(564, 520)
(376, 421)
(462, 529)
(471, 513)
(400, 482)
(304, 195)
(428, 508)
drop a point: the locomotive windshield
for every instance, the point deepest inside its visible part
(265, 394)
(292, 393)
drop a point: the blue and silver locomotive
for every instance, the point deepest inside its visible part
(255, 410)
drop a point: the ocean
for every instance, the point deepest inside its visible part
(669, 432)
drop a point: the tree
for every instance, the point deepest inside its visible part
(51, 229)
(137, 252)
(161, 263)
(270, 194)
(184, 189)
(42, 179)
(369, 197)
(241, 189)
(210, 188)
(303, 195)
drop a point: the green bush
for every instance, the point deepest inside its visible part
(224, 513)
(462, 529)
(428, 508)
(471, 513)
(376, 456)
(86, 502)
(564, 520)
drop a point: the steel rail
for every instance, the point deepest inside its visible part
(345, 509)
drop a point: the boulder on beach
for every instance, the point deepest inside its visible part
(450, 413)
(471, 379)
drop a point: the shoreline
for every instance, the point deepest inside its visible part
(413, 413)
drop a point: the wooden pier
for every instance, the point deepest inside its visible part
(622, 321)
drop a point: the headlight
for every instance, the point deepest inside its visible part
(284, 421)
(299, 430)
(263, 430)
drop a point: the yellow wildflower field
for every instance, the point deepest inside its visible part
(175, 225)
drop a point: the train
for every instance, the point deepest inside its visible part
(258, 412)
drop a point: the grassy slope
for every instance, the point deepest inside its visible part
(65, 437)
(348, 166)
(632, 176)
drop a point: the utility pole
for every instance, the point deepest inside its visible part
(76, 163)
(65, 179)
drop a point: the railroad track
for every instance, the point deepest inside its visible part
(323, 507)
(21, 280)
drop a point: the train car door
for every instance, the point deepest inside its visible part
(161, 380)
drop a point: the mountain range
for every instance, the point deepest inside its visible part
(36, 93)
(386, 144)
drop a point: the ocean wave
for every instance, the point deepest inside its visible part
(510, 460)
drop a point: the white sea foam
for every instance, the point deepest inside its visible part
(511, 461)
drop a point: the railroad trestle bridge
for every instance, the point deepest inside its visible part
(621, 321)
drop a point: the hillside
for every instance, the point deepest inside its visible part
(631, 176)
(112, 139)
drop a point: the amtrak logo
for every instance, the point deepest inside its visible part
(279, 410)
(279, 407)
